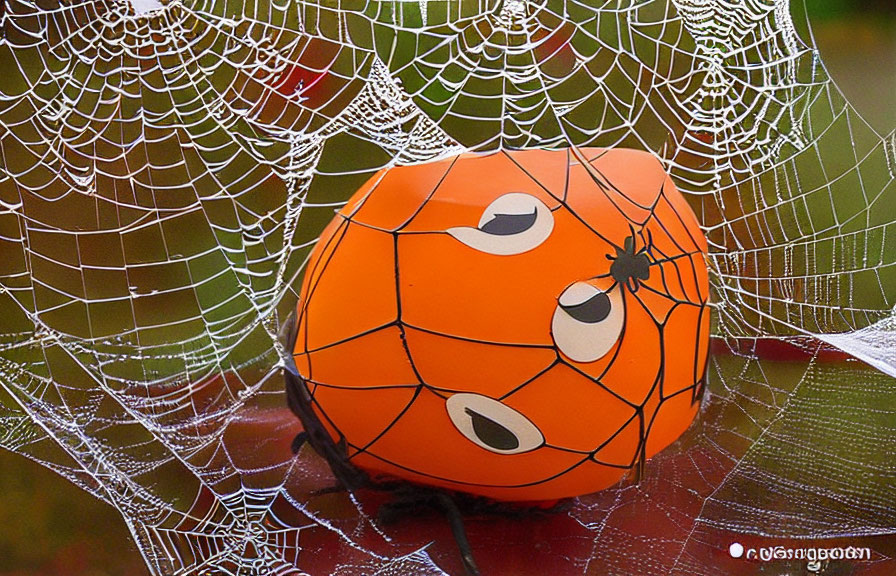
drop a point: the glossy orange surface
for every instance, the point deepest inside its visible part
(523, 326)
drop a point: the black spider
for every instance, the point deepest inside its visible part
(630, 268)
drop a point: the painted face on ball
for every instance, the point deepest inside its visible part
(522, 326)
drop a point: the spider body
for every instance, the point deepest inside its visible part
(523, 326)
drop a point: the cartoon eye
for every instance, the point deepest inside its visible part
(587, 321)
(512, 224)
(492, 425)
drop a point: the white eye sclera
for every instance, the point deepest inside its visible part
(587, 321)
(512, 224)
(492, 425)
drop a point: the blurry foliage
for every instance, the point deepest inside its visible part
(50, 527)
(832, 9)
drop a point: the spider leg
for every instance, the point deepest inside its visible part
(408, 501)
(299, 441)
(334, 489)
(452, 513)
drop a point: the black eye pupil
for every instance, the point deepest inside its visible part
(509, 224)
(592, 310)
(492, 433)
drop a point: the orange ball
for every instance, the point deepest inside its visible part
(523, 326)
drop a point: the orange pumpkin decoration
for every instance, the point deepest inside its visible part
(523, 326)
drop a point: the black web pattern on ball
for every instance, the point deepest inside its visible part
(633, 294)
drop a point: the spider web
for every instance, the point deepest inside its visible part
(167, 167)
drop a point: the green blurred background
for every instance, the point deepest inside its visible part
(857, 40)
(50, 527)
